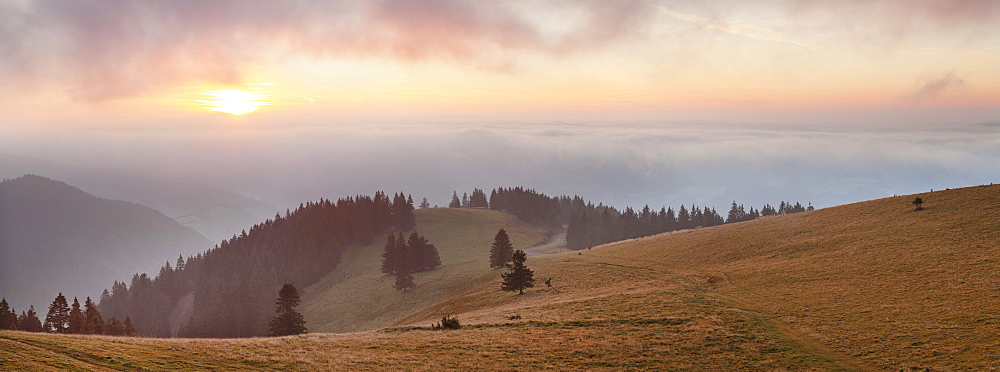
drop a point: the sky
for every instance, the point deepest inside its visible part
(624, 102)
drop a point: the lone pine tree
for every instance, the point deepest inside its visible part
(501, 251)
(287, 321)
(518, 277)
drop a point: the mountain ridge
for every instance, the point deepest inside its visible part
(57, 238)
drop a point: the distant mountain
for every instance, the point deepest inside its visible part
(216, 214)
(56, 238)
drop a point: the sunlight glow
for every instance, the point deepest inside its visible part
(236, 102)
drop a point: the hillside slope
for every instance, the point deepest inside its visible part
(357, 296)
(57, 238)
(867, 286)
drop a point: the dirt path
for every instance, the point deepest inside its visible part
(181, 314)
(557, 240)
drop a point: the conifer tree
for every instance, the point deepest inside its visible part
(501, 251)
(389, 253)
(402, 212)
(94, 323)
(422, 254)
(8, 319)
(455, 203)
(129, 327)
(288, 321)
(478, 199)
(403, 278)
(465, 200)
(29, 321)
(76, 318)
(518, 277)
(57, 319)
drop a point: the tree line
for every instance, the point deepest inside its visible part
(589, 225)
(63, 318)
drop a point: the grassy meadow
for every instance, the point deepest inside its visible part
(867, 286)
(357, 296)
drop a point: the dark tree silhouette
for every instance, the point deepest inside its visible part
(455, 202)
(424, 203)
(919, 203)
(501, 251)
(518, 277)
(404, 280)
(8, 318)
(422, 254)
(94, 323)
(288, 321)
(402, 212)
(478, 199)
(76, 318)
(57, 319)
(389, 253)
(29, 321)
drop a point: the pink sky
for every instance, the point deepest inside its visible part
(97, 61)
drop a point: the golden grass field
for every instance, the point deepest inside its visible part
(866, 286)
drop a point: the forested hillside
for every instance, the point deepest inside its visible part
(235, 283)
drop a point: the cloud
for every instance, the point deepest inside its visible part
(101, 50)
(931, 88)
(890, 23)
(742, 29)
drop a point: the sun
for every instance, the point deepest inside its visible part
(236, 102)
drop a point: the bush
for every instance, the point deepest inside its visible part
(447, 323)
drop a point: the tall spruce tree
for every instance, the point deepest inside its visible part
(501, 251)
(76, 318)
(389, 254)
(6, 320)
(94, 323)
(288, 321)
(57, 319)
(518, 277)
(455, 202)
(404, 280)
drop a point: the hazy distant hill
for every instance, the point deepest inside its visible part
(216, 214)
(56, 238)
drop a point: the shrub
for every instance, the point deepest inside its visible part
(447, 323)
